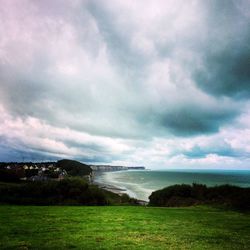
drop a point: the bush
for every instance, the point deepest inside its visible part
(68, 191)
(187, 195)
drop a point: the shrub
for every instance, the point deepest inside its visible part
(186, 195)
(70, 191)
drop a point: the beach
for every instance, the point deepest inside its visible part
(99, 181)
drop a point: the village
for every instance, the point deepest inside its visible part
(31, 171)
(43, 171)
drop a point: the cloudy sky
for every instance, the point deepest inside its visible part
(160, 83)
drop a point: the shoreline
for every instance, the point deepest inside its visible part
(110, 188)
(103, 185)
(113, 188)
(116, 190)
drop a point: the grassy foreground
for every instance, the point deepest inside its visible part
(65, 227)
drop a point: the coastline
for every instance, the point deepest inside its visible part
(140, 184)
(102, 180)
(106, 186)
(103, 184)
(110, 188)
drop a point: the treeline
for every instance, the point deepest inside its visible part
(197, 194)
(69, 191)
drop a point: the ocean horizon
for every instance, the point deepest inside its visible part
(140, 184)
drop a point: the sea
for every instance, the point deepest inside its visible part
(141, 183)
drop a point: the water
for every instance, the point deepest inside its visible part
(140, 184)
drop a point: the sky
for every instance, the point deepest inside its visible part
(158, 83)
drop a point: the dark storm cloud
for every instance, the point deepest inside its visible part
(18, 155)
(26, 154)
(225, 69)
(227, 72)
(192, 120)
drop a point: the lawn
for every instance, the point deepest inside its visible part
(117, 227)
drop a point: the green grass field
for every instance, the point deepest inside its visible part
(111, 227)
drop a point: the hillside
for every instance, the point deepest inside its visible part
(74, 168)
(116, 227)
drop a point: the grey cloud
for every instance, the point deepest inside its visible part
(22, 94)
(114, 96)
(18, 155)
(99, 158)
(16, 150)
(93, 148)
(225, 150)
(7, 153)
(122, 55)
(225, 69)
(90, 146)
(194, 120)
(227, 73)
(113, 111)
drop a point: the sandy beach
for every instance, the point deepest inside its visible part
(105, 186)
(110, 188)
